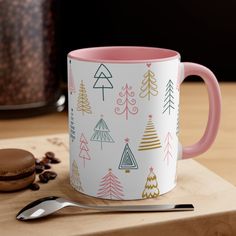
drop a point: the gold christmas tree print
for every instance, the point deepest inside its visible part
(151, 189)
(149, 85)
(75, 177)
(150, 138)
(83, 103)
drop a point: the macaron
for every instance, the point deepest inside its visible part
(17, 169)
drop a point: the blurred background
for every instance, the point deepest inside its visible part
(202, 31)
(36, 36)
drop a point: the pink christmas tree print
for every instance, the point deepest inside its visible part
(84, 149)
(168, 148)
(126, 102)
(71, 83)
(179, 77)
(177, 126)
(110, 187)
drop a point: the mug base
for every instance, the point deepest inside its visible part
(125, 198)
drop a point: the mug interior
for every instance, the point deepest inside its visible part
(123, 54)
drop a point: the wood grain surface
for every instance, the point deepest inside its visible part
(212, 196)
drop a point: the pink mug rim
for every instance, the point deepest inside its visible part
(124, 54)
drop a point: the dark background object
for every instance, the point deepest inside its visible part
(202, 31)
(29, 75)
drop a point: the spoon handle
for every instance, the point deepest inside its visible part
(143, 208)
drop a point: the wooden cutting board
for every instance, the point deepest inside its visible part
(214, 200)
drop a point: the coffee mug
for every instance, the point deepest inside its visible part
(124, 120)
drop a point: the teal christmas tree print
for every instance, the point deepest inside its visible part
(103, 75)
(72, 125)
(101, 133)
(127, 161)
(168, 102)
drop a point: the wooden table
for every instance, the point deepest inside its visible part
(193, 115)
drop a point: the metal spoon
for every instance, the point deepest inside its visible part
(48, 205)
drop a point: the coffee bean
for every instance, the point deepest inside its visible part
(49, 174)
(46, 160)
(50, 155)
(37, 161)
(43, 178)
(47, 166)
(55, 160)
(39, 168)
(34, 187)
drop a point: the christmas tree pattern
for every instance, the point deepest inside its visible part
(110, 187)
(150, 138)
(168, 148)
(101, 133)
(126, 102)
(84, 149)
(177, 126)
(75, 177)
(103, 75)
(72, 125)
(149, 85)
(168, 101)
(83, 103)
(127, 161)
(151, 187)
(71, 83)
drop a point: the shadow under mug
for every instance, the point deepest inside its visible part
(124, 120)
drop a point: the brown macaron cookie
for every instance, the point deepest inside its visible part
(17, 169)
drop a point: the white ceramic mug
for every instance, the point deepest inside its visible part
(123, 120)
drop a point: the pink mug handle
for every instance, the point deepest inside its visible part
(214, 96)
